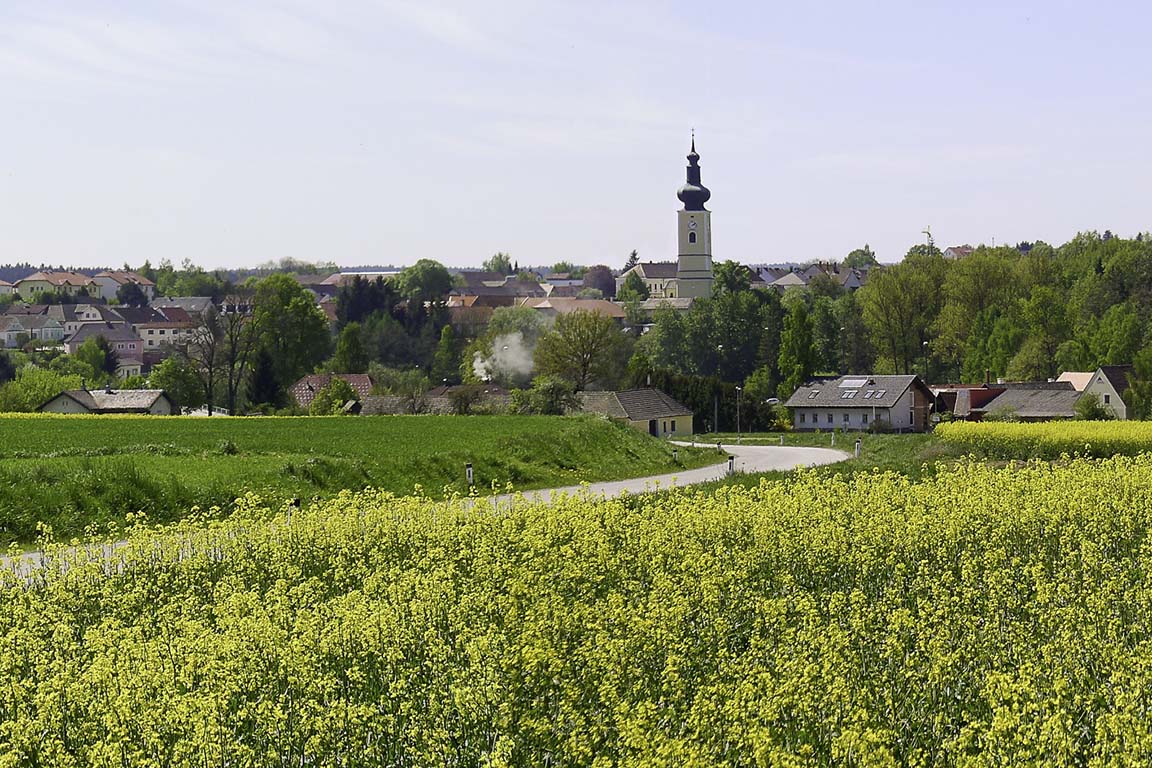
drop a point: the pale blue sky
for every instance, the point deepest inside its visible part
(377, 131)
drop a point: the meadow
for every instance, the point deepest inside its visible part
(83, 473)
(982, 616)
(1048, 440)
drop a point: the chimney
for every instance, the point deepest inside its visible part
(987, 376)
(84, 384)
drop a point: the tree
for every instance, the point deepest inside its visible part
(132, 295)
(633, 260)
(446, 362)
(330, 400)
(730, 277)
(1090, 408)
(239, 339)
(7, 369)
(796, 352)
(361, 298)
(582, 347)
(633, 289)
(861, 257)
(97, 352)
(1139, 393)
(177, 377)
(264, 389)
(290, 326)
(600, 278)
(34, 386)
(500, 262)
(350, 356)
(549, 396)
(425, 284)
(203, 352)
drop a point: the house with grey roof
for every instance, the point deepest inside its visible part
(648, 410)
(142, 401)
(1110, 383)
(1032, 401)
(863, 401)
(658, 276)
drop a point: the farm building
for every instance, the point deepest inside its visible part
(648, 410)
(143, 401)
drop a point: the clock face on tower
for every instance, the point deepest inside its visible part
(692, 224)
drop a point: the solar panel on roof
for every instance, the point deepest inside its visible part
(853, 383)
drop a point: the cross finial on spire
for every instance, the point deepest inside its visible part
(693, 139)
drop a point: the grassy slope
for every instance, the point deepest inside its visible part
(78, 471)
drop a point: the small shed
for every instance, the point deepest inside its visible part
(648, 410)
(154, 402)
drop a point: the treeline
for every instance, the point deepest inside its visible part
(1020, 313)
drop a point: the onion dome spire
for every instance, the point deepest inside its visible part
(693, 194)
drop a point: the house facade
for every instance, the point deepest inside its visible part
(18, 330)
(6, 288)
(1109, 383)
(120, 337)
(862, 402)
(109, 283)
(70, 283)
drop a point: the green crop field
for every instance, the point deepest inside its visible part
(979, 617)
(74, 472)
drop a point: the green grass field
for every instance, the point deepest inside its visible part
(74, 472)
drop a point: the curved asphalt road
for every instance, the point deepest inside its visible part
(749, 458)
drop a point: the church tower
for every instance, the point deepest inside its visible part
(694, 266)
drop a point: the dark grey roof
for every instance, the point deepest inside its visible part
(138, 315)
(1036, 403)
(633, 404)
(658, 270)
(110, 331)
(870, 391)
(1117, 376)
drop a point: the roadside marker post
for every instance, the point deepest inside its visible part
(675, 455)
(781, 439)
(468, 472)
(857, 447)
(731, 465)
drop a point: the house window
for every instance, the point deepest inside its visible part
(803, 417)
(829, 418)
(812, 395)
(691, 237)
(673, 426)
(881, 392)
(863, 418)
(161, 331)
(1107, 398)
(846, 416)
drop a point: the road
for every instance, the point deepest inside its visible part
(748, 458)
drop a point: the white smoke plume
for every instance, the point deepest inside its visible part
(510, 363)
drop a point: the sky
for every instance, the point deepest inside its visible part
(385, 131)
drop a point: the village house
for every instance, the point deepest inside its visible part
(18, 330)
(647, 410)
(6, 288)
(304, 391)
(1110, 383)
(110, 283)
(154, 402)
(73, 316)
(659, 278)
(69, 283)
(861, 402)
(554, 307)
